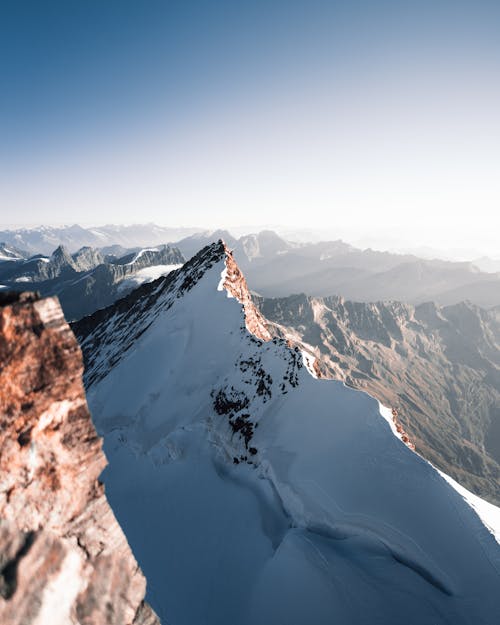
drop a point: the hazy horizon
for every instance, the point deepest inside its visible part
(375, 121)
(308, 235)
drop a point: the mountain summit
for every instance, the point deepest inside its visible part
(253, 492)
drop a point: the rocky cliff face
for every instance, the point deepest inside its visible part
(63, 556)
(236, 285)
(86, 258)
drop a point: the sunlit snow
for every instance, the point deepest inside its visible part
(148, 274)
(332, 519)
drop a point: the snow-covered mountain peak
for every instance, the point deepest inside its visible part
(277, 496)
(132, 315)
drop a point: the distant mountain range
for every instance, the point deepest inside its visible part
(276, 267)
(44, 239)
(87, 279)
(439, 366)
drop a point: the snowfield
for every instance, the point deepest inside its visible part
(253, 493)
(148, 274)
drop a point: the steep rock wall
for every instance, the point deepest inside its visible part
(63, 556)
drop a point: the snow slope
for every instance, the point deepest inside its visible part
(252, 492)
(148, 274)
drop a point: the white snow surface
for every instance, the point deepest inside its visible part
(487, 512)
(141, 252)
(8, 257)
(332, 520)
(148, 274)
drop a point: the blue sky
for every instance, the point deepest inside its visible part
(347, 116)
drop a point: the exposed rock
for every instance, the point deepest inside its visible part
(86, 258)
(63, 556)
(236, 284)
(400, 429)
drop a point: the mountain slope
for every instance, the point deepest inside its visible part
(439, 366)
(252, 492)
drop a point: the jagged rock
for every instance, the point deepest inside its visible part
(236, 284)
(63, 556)
(86, 258)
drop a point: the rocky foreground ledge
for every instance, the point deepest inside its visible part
(63, 557)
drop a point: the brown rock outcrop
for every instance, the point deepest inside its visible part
(400, 429)
(236, 285)
(63, 557)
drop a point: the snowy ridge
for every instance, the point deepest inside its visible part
(277, 496)
(108, 333)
